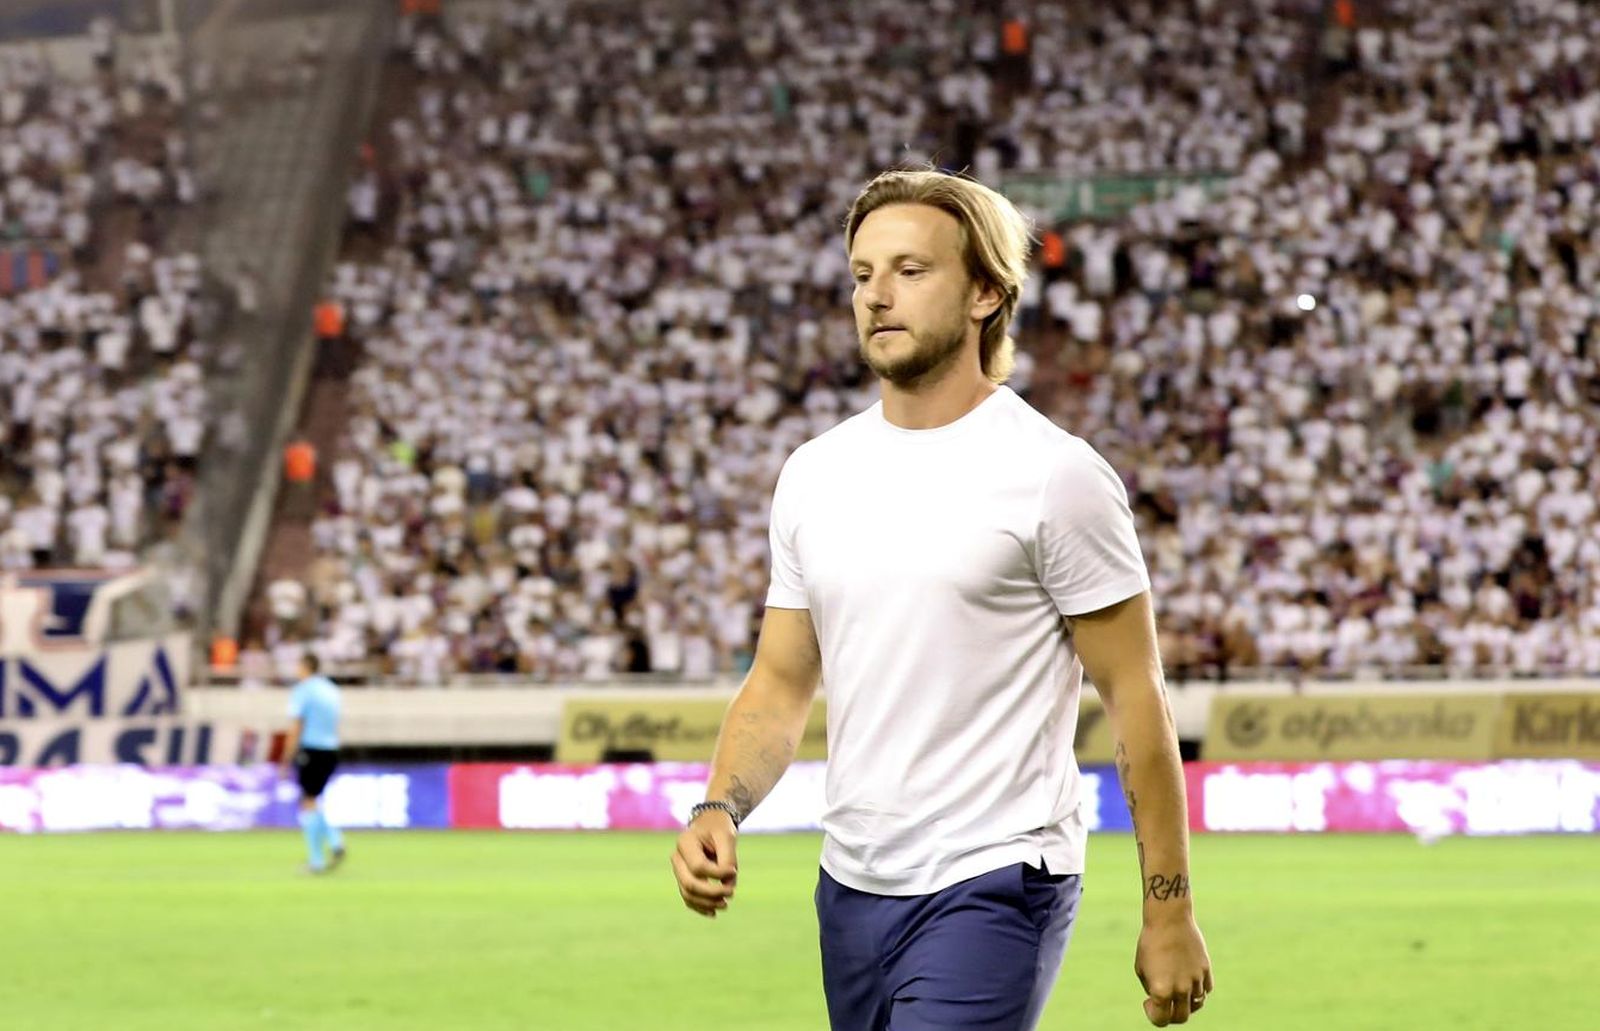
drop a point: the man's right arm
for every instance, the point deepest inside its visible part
(760, 734)
(763, 726)
(291, 746)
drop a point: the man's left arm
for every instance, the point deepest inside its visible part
(1117, 646)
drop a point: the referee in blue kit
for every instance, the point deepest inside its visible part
(313, 748)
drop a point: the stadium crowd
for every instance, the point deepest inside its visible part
(1405, 475)
(1351, 391)
(101, 390)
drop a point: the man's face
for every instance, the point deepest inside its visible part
(913, 299)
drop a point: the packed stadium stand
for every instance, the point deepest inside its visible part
(1406, 475)
(150, 225)
(100, 365)
(1316, 277)
(591, 305)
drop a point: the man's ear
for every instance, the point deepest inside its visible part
(985, 301)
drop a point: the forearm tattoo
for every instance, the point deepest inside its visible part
(740, 794)
(761, 756)
(1125, 774)
(1166, 889)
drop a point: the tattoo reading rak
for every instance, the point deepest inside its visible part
(1163, 889)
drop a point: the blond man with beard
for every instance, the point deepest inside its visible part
(952, 564)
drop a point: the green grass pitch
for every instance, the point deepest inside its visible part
(172, 932)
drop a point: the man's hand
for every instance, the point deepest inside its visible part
(705, 865)
(1173, 966)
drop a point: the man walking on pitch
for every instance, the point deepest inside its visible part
(313, 747)
(952, 564)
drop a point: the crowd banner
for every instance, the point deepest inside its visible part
(1549, 726)
(66, 699)
(130, 678)
(667, 729)
(70, 693)
(67, 702)
(1350, 727)
(1069, 198)
(144, 741)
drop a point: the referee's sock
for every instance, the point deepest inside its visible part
(311, 825)
(330, 833)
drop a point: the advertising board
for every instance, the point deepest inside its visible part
(1558, 725)
(1348, 727)
(1429, 798)
(216, 798)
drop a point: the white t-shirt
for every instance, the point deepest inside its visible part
(936, 565)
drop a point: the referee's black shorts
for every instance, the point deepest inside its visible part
(315, 768)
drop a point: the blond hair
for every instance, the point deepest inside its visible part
(995, 240)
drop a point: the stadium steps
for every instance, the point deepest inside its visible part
(289, 547)
(280, 158)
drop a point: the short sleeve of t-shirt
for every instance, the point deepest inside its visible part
(297, 702)
(1088, 549)
(787, 588)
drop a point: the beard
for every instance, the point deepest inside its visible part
(935, 351)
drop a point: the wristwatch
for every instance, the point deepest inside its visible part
(726, 807)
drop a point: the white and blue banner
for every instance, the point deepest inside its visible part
(114, 681)
(69, 696)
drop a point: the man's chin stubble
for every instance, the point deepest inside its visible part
(913, 372)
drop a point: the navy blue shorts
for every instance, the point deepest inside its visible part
(981, 955)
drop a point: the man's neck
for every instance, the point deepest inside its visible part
(936, 404)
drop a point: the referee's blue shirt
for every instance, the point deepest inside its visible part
(315, 700)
